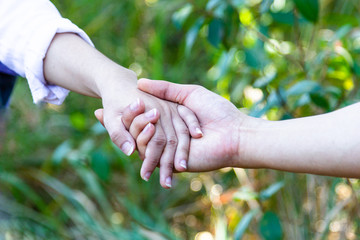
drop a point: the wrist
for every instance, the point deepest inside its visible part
(115, 80)
(249, 142)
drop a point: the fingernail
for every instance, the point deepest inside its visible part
(135, 105)
(151, 113)
(147, 176)
(168, 182)
(198, 130)
(146, 129)
(127, 148)
(183, 164)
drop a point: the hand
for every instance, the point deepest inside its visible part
(219, 119)
(170, 140)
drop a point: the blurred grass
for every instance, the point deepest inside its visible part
(62, 178)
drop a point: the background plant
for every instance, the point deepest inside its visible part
(62, 178)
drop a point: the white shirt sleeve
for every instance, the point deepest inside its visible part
(27, 28)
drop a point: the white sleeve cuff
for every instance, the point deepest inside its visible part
(36, 51)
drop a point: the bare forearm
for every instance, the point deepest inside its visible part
(71, 63)
(327, 144)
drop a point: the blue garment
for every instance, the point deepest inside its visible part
(4, 69)
(7, 83)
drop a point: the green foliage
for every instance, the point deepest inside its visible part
(270, 227)
(309, 9)
(62, 178)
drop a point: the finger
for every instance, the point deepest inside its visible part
(191, 121)
(141, 120)
(167, 157)
(166, 90)
(118, 133)
(153, 152)
(131, 111)
(182, 150)
(99, 114)
(143, 139)
(169, 142)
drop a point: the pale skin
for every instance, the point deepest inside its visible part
(327, 144)
(71, 63)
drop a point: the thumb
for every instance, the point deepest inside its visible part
(166, 90)
(99, 114)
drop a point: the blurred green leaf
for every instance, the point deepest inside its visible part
(223, 64)
(334, 91)
(244, 224)
(61, 151)
(309, 9)
(285, 18)
(101, 165)
(95, 188)
(303, 100)
(211, 4)
(192, 34)
(270, 227)
(264, 81)
(340, 33)
(305, 86)
(245, 194)
(265, 5)
(15, 182)
(215, 32)
(98, 129)
(320, 101)
(180, 16)
(256, 58)
(78, 121)
(271, 190)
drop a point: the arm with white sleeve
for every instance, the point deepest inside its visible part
(26, 31)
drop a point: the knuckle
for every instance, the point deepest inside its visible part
(172, 141)
(184, 131)
(153, 162)
(160, 141)
(169, 165)
(115, 137)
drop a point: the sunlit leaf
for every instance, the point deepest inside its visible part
(265, 5)
(271, 190)
(78, 121)
(211, 4)
(98, 129)
(244, 224)
(303, 100)
(264, 81)
(180, 16)
(61, 151)
(341, 32)
(305, 86)
(192, 34)
(245, 194)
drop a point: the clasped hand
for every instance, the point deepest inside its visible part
(216, 145)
